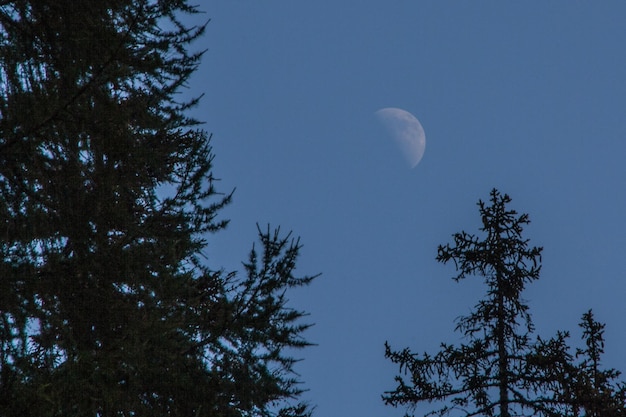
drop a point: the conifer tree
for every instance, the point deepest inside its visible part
(578, 386)
(107, 194)
(599, 393)
(501, 369)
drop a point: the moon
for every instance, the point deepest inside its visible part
(406, 131)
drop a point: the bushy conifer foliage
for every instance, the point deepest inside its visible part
(502, 369)
(107, 306)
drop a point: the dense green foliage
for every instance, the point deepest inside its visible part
(502, 369)
(107, 306)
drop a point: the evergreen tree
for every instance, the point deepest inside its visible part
(579, 387)
(501, 370)
(107, 306)
(598, 393)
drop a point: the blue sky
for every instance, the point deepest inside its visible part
(527, 97)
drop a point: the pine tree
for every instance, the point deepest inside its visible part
(579, 387)
(107, 194)
(502, 370)
(599, 392)
(480, 377)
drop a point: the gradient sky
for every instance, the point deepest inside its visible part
(527, 97)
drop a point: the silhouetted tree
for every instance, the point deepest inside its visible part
(578, 386)
(107, 307)
(501, 370)
(599, 394)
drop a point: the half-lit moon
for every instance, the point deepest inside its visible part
(406, 131)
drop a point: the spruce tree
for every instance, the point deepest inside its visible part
(108, 306)
(578, 385)
(598, 393)
(502, 369)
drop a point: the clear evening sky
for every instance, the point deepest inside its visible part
(527, 97)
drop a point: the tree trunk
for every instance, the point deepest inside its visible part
(503, 379)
